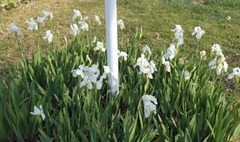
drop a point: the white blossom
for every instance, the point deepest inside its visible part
(48, 36)
(150, 103)
(94, 39)
(166, 64)
(216, 49)
(32, 25)
(146, 48)
(178, 33)
(198, 32)
(212, 63)
(122, 54)
(186, 74)
(203, 53)
(236, 72)
(145, 67)
(41, 20)
(219, 62)
(90, 76)
(78, 71)
(14, 28)
(74, 30)
(152, 66)
(38, 111)
(83, 25)
(107, 70)
(47, 14)
(76, 14)
(121, 24)
(99, 85)
(97, 19)
(86, 82)
(171, 52)
(99, 47)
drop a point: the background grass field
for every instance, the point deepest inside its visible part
(155, 16)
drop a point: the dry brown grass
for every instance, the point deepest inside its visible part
(62, 12)
(156, 18)
(34, 9)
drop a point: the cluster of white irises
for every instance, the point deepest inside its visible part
(219, 62)
(146, 67)
(34, 24)
(91, 74)
(82, 23)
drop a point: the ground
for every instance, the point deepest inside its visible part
(61, 9)
(156, 18)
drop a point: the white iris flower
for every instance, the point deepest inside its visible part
(216, 49)
(90, 76)
(178, 33)
(78, 71)
(97, 19)
(83, 25)
(47, 14)
(41, 20)
(77, 13)
(198, 32)
(14, 28)
(146, 48)
(32, 25)
(121, 24)
(74, 30)
(236, 72)
(94, 39)
(122, 54)
(219, 62)
(203, 53)
(145, 67)
(99, 47)
(48, 36)
(166, 64)
(186, 75)
(150, 103)
(38, 111)
(171, 52)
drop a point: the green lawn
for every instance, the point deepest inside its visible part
(156, 17)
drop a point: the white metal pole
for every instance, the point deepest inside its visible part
(112, 42)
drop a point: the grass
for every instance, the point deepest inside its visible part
(19, 15)
(156, 18)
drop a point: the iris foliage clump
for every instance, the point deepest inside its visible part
(62, 93)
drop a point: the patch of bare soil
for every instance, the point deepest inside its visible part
(198, 2)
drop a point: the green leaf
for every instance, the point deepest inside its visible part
(83, 136)
(41, 89)
(236, 133)
(133, 130)
(211, 128)
(44, 136)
